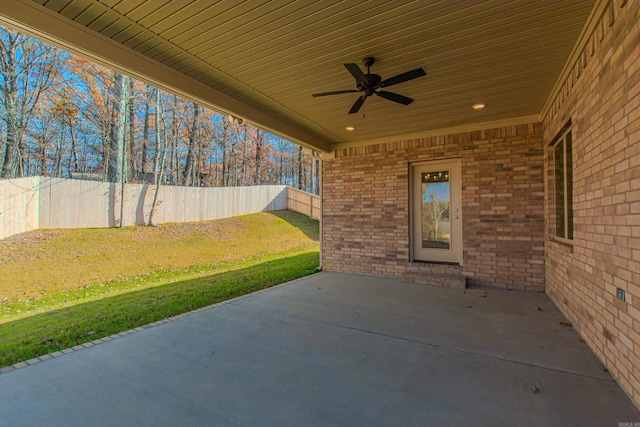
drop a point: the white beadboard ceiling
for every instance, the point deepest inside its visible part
(262, 60)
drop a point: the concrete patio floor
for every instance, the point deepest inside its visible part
(332, 350)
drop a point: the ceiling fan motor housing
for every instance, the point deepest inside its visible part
(373, 80)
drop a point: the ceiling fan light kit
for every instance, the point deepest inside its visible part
(371, 84)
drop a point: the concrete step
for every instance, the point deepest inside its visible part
(437, 275)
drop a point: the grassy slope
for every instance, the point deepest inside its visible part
(48, 261)
(195, 265)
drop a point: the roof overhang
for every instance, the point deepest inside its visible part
(261, 60)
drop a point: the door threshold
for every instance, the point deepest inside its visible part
(418, 261)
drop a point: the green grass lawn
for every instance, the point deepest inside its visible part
(246, 254)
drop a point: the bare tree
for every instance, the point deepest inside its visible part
(58, 117)
(26, 70)
(435, 212)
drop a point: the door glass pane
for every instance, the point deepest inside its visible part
(435, 215)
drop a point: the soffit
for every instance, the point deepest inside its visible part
(272, 55)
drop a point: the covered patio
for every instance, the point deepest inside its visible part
(542, 194)
(332, 349)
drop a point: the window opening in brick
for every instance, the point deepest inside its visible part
(563, 186)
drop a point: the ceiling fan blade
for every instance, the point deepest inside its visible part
(358, 104)
(400, 78)
(357, 73)
(395, 97)
(337, 92)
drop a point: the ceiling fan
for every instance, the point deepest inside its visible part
(370, 84)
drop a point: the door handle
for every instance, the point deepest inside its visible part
(456, 217)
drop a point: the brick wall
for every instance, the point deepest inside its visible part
(366, 205)
(601, 97)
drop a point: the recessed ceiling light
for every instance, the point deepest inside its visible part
(350, 128)
(478, 106)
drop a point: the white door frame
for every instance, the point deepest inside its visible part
(454, 253)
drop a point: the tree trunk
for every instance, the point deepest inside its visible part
(145, 133)
(42, 153)
(116, 140)
(131, 143)
(317, 174)
(259, 141)
(106, 125)
(10, 94)
(173, 148)
(57, 160)
(245, 156)
(225, 178)
(300, 170)
(189, 168)
(160, 157)
(74, 147)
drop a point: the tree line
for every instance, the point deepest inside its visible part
(65, 116)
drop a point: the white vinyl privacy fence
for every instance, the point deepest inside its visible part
(19, 205)
(303, 202)
(41, 202)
